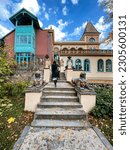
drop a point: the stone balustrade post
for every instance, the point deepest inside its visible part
(87, 98)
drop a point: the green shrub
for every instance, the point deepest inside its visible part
(11, 89)
(104, 103)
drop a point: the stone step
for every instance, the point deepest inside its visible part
(62, 76)
(60, 113)
(59, 123)
(59, 104)
(59, 84)
(58, 89)
(58, 92)
(61, 80)
(57, 98)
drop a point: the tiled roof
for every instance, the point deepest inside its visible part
(90, 28)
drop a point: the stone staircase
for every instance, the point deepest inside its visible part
(59, 107)
(62, 77)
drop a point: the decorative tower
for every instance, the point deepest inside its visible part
(91, 36)
(25, 37)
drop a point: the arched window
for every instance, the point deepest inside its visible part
(78, 64)
(56, 57)
(86, 65)
(100, 65)
(108, 65)
(91, 40)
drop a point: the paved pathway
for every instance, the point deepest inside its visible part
(62, 139)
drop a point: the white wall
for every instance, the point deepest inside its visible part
(93, 74)
(31, 101)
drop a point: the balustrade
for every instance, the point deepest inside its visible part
(86, 52)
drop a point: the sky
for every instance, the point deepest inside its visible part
(68, 18)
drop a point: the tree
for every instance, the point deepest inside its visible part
(5, 64)
(107, 6)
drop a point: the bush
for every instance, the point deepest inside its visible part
(13, 89)
(104, 103)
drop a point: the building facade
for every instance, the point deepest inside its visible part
(86, 55)
(29, 45)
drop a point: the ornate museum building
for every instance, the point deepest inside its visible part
(30, 45)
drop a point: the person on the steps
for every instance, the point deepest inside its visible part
(54, 72)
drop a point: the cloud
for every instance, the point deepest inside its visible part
(58, 34)
(8, 7)
(74, 2)
(46, 15)
(77, 31)
(100, 1)
(53, 11)
(102, 27)
(43, 7)
(31, 6)
(40, 23)
(106, 46)
(4, 12)
(65, 10)
(61, 24)
(63, 1)
(3, 31)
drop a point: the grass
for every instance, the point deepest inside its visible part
(9, 132)
(105, 125)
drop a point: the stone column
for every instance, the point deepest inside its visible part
(47, 71)
(69, 74)
(47, 74)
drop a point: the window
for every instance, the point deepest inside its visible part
(23, 39)
(24, 60)
(86, 65)
(78, 64)
(100, 65)
(92, 48)
(91, 40)
(108, 65)
(29, 39)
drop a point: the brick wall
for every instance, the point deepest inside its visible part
(42, 47)
(9, 44)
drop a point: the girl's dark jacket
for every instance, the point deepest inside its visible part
(54, 71)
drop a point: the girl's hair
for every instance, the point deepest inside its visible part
(54, 62)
